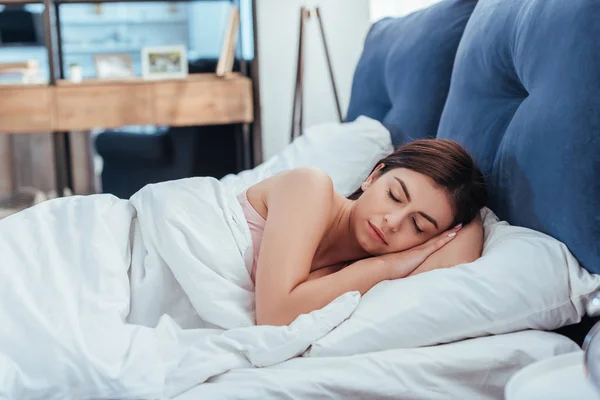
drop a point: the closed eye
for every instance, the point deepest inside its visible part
(393, 197)
(419, 230)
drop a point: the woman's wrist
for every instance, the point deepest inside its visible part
(398, 265)
(381, 267)
(371, 270)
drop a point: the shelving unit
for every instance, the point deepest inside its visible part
(61, 106)
(26, 108)
(201, 99)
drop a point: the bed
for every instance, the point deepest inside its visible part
(151, 297)
(510, 80)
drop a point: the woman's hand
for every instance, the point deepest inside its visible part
(465, 248)
(403, 263)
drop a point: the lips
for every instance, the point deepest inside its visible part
(378, 233)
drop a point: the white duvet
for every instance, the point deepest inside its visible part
(150, 298)
(473, 369)
(95, 292)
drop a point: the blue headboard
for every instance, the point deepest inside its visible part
(523, 98)
(403, 75)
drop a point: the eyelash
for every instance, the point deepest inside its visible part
(393, 197)
(419, 231)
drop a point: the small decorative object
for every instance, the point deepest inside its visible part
(75, 73)
(164, 62)
(98, 8)
(226, 58)
(113, 66)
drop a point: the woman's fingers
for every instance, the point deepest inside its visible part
(439, 241)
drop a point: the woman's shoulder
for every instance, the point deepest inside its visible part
(298, 185)
(309, 178)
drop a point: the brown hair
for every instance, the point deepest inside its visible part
(450, 167)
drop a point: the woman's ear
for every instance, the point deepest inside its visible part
(374, 175)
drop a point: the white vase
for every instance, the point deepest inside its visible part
(75, 73)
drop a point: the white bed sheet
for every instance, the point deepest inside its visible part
(470, 369)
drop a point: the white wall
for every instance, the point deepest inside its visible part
(346, 24)
(397, 8)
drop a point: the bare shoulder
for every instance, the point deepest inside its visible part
(308, 180)
(305, 176)
(298, 187)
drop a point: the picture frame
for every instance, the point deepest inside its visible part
(164, 62)
(113, 66)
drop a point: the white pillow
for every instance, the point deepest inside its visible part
(524, 280)
(347, 152)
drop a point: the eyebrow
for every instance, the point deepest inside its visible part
(430, 219)
(403, 187)
(427, 217)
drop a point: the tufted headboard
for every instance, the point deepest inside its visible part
(523, 98)
(403, 75)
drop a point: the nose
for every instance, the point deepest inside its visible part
(394, 220)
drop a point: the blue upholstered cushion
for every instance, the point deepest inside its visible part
(525, 100)
(403, 75)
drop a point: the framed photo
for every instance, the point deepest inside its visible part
(164, 62)
(113, 66)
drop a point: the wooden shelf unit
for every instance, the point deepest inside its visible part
(59, 107)
(26, 108)
(200, 99)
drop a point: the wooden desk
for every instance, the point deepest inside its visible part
(26, 108)
(201, 99)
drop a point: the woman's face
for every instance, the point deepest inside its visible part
(399, 210)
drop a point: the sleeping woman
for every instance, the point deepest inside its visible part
(112, 291)
(417, 211)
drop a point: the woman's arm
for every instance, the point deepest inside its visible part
(299, 206)
(465, 249)
(360, 276)
(299, 209)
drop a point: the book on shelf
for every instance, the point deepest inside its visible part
(25, 72)
(227, 56)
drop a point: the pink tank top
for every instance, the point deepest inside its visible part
(256, 223)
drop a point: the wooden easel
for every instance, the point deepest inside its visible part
(297, 110)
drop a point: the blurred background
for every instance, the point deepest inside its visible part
(120, 160)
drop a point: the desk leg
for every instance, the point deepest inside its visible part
(239, 148)
(61, 164)
(243, 147)
(247, 146)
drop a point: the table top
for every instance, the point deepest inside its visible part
(199, 99)
(561, 377)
